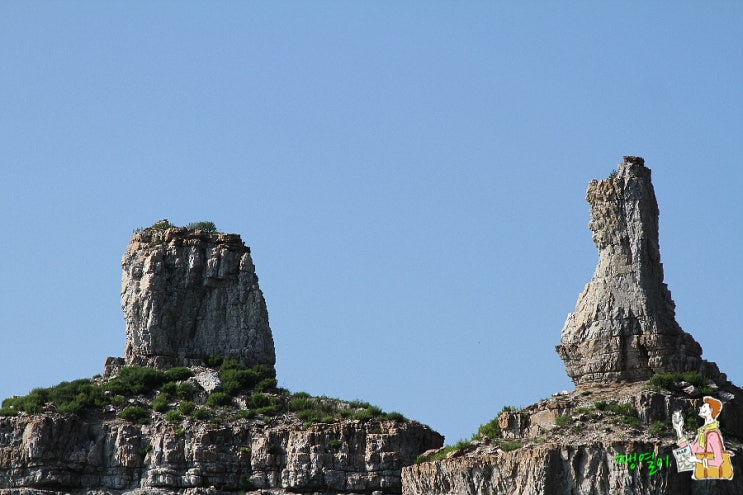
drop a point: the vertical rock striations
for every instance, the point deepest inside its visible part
(624, 326)
(188, 294)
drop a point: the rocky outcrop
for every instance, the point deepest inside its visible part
(624, 326)
(569, 444)
(622, 333)
(188, 294)
(557, 469)
(68, 454)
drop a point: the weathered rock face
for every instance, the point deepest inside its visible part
(624, 326)
(188, 294)
(556, 469)
(577, 453)
(68, 454)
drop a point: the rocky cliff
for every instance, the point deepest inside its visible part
(194, 406)
(52, 453)
(188, 294)
(633, 367)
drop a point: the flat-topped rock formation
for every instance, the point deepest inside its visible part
(188, 294)
(624, 326)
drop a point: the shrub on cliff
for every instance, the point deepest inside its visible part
(67, 397)
(135, 414)
(236, 378)
(207, 227)
(135, 380)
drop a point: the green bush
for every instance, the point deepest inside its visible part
(186, 407)
(170, 389)
(185, 391)
(247, 413)
(68, 397)
(207, 227)
(134, 414)
(600, 405)
(563, 420)
(659, 429)
(216, 399)
(335, 443)
(623, 409)
(235, 377)
(213, 361)
(178, 374)
(135, 380)
(201, 413)
(173, 416)
(395, 416)
(258, 399)
(491, 429)
(363, 415)
(665, 380)
(508, 445)
(160, 404)
(161, 225)
(269, 410)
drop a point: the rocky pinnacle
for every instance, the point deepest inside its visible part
(188, 294)
(624, 326)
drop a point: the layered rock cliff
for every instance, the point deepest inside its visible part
(633, 367)
(188, 294)
(61, 453)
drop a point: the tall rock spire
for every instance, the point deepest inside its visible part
(188, 294)
(624, 326)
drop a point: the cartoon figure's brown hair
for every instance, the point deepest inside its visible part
(715, 405)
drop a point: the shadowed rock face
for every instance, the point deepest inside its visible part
(188, 294)
(624, 326)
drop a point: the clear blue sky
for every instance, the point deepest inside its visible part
(410, 177)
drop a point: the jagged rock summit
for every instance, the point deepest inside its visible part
(187, 294)
(624, 326)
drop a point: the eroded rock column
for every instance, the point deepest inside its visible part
(624, 326)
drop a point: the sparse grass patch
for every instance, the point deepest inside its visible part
(563, 420)
(666, 380)
(659, 429)
(509, 445)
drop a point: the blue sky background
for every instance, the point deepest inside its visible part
(410, 177)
